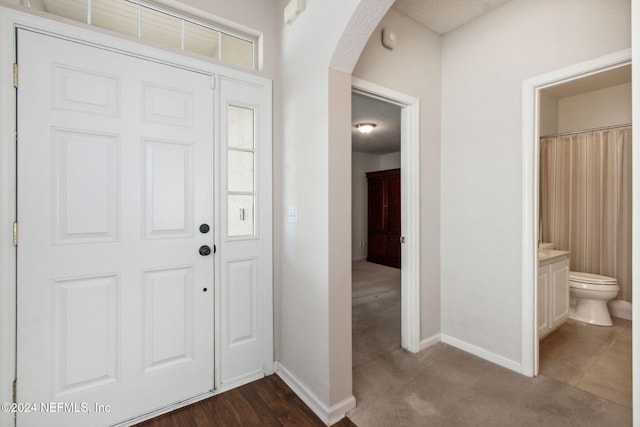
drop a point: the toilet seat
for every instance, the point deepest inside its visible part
(591, 279)
(592, 287)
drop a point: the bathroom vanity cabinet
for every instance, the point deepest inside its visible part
(553, 290)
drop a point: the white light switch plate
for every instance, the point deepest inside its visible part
(293, 214)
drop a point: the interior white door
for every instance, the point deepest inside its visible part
(115, 177)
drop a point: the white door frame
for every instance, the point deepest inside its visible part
(410, 205)
(10, 18)
(530, 183)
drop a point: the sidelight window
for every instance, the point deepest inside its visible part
(241, 156)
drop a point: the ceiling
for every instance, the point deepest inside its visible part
(385, 137)
(442, 16)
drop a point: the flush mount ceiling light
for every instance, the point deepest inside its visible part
(365, 127)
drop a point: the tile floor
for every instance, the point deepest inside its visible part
(595, 359)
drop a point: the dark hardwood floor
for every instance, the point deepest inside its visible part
(266, 402)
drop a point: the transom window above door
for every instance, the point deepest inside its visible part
(158, 24)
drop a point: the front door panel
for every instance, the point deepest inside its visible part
(115, 176)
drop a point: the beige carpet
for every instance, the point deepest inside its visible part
(444, 386)
(376, 311)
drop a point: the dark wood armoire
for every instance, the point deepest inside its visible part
(384, 217)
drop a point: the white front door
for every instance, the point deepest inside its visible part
(115, 179)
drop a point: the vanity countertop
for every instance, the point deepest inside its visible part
(547, 256)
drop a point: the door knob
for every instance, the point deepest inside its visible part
(402, 239)
(204, 250)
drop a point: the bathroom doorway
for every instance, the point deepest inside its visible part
(582, 140)
(392, 145)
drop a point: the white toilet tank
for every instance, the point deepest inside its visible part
(545, 245)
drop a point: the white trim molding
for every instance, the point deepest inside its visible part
(430, 342)
(329, 415)
(482, 353)
(7, 214)
(620, 309)
(635, 203)
(530, 176)
(410, 203)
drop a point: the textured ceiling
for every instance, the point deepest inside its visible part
(442, 16)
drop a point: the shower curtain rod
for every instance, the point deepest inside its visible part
(586, 130)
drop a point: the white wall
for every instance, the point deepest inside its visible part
(390, 161)
(605, 107)
(361, 163)
(314, 254)
(413, 68)
(483, 66)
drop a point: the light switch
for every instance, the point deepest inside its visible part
(293, 214)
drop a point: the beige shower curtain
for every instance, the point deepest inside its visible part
(585, 201)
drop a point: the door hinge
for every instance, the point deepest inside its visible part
(15, 76)
(15, 393)
(213, 82)
(15, 234)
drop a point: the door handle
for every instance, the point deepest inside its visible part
(204, 250)
(402, 239)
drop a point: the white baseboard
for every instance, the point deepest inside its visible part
(482, 353)
(428, 342)
(328, 415)
(340, 409)
(620, 309)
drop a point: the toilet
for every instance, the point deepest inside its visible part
(588, 294)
